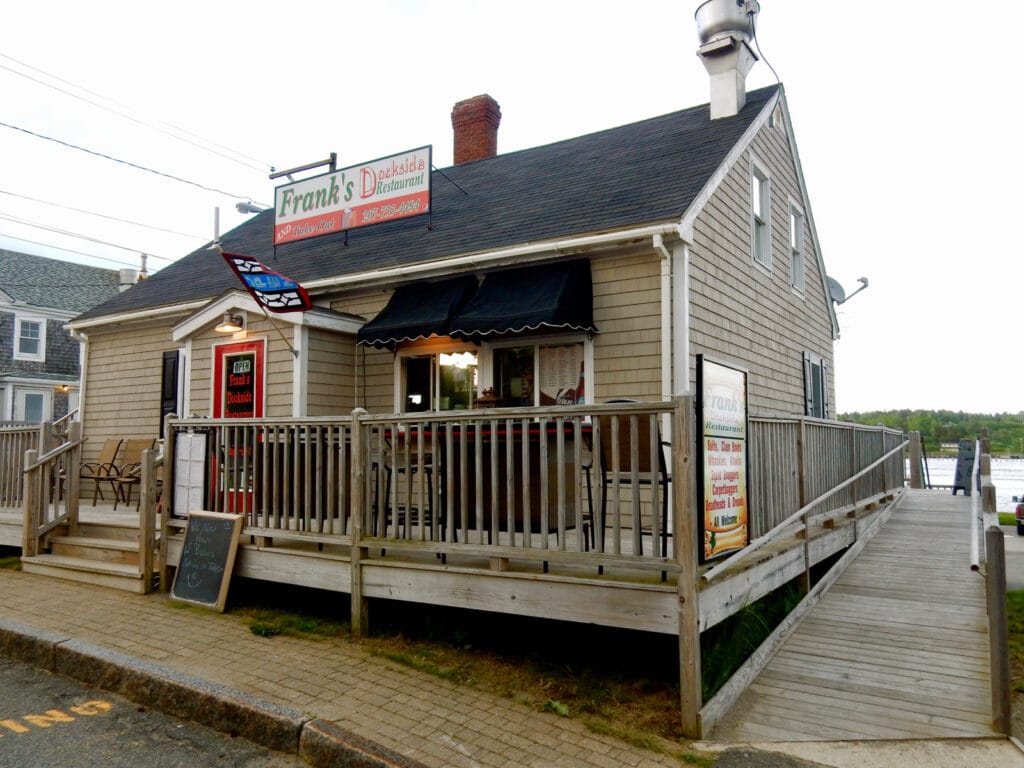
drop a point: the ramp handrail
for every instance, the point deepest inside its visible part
(800, 514)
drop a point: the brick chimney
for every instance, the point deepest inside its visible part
(475, 123)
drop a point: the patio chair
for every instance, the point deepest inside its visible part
(129, 469)
(104, 469)
(646, 473)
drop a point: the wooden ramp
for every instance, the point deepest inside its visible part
(896, 649)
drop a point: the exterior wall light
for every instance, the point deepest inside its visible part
(231, 324)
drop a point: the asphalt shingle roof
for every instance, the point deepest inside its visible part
(54, 284)
(636, 174)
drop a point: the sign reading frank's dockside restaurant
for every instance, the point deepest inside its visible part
(722, 413)
(381, 190)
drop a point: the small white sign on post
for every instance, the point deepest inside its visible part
(189, 472)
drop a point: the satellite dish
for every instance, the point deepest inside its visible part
(835, 291)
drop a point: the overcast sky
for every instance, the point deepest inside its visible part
(902, 113)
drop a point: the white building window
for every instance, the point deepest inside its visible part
(29, 339)
(437, 380)
(761, 206)
(796, 248)
(549, 370)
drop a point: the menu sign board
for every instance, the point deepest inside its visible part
(381, 190)
(722, 414)
(561, 375)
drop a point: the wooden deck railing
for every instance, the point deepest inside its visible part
(796, 459)
(51, 494)
(510, 481)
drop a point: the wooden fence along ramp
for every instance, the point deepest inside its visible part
(896, 649)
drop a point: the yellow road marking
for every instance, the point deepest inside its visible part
(88, 709)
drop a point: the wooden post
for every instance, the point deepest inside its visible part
(166, 504)
(998, 631)
(684, 520)
(360, 458)
(30, 507)
(915, 460)
(147, 520)
(73, 471)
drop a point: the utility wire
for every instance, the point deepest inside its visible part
(103, 216)
(26, 222)
(262, 167)
(125, 162)
(71, 250)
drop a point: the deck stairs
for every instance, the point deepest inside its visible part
(103, 553)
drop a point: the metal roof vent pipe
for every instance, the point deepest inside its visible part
(725, 29)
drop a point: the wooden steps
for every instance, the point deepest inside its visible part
(102, 553)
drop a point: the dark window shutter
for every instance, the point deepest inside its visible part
(169, 387)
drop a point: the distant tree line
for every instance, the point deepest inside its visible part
(1005, 430)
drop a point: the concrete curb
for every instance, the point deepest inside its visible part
(321, 743)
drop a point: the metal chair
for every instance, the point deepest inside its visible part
(129, 470)
(103, 470)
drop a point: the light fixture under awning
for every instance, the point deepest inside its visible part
(418, 311)
(556, 297)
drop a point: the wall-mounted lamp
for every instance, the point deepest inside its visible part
(231, 324)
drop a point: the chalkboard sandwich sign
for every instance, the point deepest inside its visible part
(207, 559)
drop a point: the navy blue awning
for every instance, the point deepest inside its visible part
(556, 297)
(418, 311)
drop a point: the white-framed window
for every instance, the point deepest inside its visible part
(32, 405)
(29, 338)
(436, 377)
(550, 370)
(532, 371)
(761, 220)
(796, 247)
(815, 386)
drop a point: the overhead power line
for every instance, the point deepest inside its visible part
(55, 230)
(102, 215)
(70, 250)
(125, 162)
(262, 167)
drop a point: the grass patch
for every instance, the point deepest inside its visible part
(616, 682)
(1007, 518)
(1015, 622)
(10, 563)
(726, 646)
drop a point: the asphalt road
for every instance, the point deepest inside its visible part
(49, 721)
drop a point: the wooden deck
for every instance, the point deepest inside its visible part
(896, 649)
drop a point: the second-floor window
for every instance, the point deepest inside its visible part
(29, 339)
(760, 188)
(796, 248)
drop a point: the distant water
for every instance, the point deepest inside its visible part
(1007, 476)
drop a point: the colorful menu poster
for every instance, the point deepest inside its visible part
(722, 404)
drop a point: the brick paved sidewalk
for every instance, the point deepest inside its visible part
(408, 712)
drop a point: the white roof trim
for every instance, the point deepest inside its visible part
(233, 300)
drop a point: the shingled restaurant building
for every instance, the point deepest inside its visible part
(587, 270)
